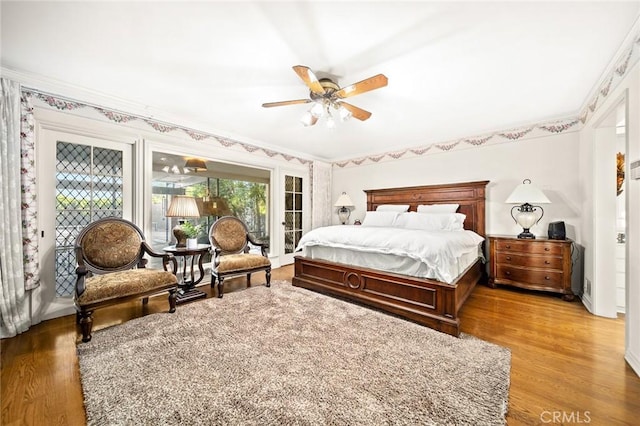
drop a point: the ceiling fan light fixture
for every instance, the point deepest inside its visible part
(325, 94)
(344, 113)
(317, 109)
(331, 123)
(308, 119)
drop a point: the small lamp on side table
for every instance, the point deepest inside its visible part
(182, 206)
(525, 194)
(344, 202)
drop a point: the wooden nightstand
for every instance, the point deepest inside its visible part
(540, 264)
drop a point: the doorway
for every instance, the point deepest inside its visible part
(610, 239)
(82, 179)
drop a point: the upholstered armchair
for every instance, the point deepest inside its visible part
(230, 238)
(111, 269)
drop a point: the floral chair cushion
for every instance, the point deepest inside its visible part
(111, 245)
(242, 262)
(230, 236)
(124, 283)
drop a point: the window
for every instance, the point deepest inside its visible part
(89, 186)
(220, 189)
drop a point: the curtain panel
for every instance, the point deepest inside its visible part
(321, 194)
(28, 187)
(14, 299)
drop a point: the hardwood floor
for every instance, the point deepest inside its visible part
(567, 365)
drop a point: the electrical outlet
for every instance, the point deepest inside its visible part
(588, 287)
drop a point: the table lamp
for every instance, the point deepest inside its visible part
(525, 194)
(182, 206)
(344, 201)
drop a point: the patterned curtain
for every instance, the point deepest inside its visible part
(29, 194)
(14, 300)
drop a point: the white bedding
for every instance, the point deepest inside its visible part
(440, 255)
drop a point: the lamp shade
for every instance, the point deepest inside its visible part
(196, 164)
(527, 193)
(183, 206)
(343, 201)
(215, 206)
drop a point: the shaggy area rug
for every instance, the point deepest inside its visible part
(288, 356)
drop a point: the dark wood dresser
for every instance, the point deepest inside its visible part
(540, 264)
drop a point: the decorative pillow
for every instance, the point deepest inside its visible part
(438, 208)
(392, 208)
(432, 221)
(378, 218)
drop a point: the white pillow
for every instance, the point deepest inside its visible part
(392, 208)
(432, 221)
(377, 218)
(438, 208)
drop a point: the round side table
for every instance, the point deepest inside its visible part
(187, 287)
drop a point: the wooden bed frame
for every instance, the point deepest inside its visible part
(428, 302)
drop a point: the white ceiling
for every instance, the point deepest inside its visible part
(455, 69)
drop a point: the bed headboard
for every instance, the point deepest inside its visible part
(470, 196)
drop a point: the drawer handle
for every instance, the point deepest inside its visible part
(507, 273)
(508, 246)
(546, 262)
(546, 249)
(547, 278)
(508, 257)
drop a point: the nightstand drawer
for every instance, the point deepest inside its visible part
(546, 262)
(529, 276)
(529, 246)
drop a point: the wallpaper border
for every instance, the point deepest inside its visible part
(494, 138)
(62, 103)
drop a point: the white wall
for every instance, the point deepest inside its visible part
(550, 162)
(628, 90)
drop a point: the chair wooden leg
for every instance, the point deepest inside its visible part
(268, 273)
(213, 281)
(248, 280)
(86, 323)
(173, 294)
(220, 287)
(145, 300)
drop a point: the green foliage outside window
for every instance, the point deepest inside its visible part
(246, 201)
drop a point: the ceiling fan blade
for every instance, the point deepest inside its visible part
(309, 79)
(283, 103)
(356, 112)
(371, 83)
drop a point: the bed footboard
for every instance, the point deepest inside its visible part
(427, 302)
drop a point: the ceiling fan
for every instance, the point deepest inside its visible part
(327, 97)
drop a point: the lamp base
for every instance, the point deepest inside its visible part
(343, 214)
(526, 235)
(181, 237)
